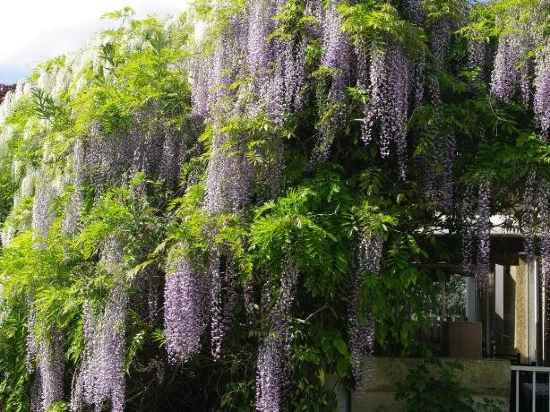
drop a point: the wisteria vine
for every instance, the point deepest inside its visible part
(362, 331)
(101, 379)
(388, 106)
(254, 71)
(338, 57)
(274, 351)
(185, 316)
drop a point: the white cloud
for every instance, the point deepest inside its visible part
(35, 30)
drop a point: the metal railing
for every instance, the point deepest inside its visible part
(533, 370)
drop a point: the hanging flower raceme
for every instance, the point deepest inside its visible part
(49, 357)
(477, 56)
(467, 213)
(476, 233)
(73, 209)
(440, 40)
(279, 82)
(294, 74)
(259, 46)
(511, 70)
(228, 185)
(32, 345)
(338, 57)
(269, 376)
(284, 92)
(227, 63)
(230, 174)
(102, 378)
(200, 69)
(51, 363)
(112, 349)
(185, 313)
(417, 14)
(316, 9)
(387, 111)
(273, 353)
(337, 50)
(484, 235)
(223, 299)
(418, 76)
(541, 101)
(229, 179)
(505, 74)
(217, 329)
(362, 331)
(171, 159)
(42, 213)
(415, 11)
(229, 171)
(477, 53)
(36, 393)
(47, 352)
(83, 389)
(531, 199)
(271, 70)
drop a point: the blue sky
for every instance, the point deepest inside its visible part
(33, 31)
(10, 74)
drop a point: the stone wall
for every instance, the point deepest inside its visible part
(487, 379)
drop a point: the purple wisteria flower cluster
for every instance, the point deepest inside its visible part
(517, 74)
(49, 355)
(440, 40)
(223, 299)
(185, 312)
(478, 53)
(230, 176)
(51, 363)
(254, 70)
(387, 110)
(509, 73)
(468, 217)
(362, 331)
(531, 199)
(339, 57)
(484, 235)
(101, 379)
(541, 101)
(45, 356)
(274, 351)
(476, 232)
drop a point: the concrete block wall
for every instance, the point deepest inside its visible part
(488, 379)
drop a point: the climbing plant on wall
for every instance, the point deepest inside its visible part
(233, 219)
